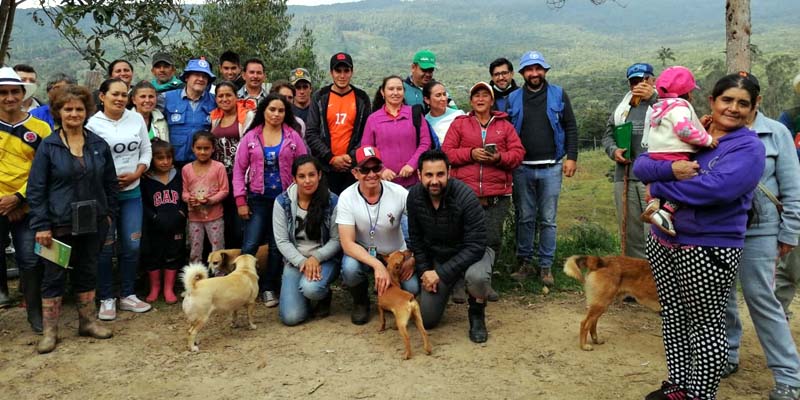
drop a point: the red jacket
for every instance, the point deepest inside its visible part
(485, 179)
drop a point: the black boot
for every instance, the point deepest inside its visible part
(323, 307)
(5, 298)
(477, 321)
(33, 297)
(360, 314)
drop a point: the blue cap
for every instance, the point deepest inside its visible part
(198, 65)
(532, 58)
(640, 70)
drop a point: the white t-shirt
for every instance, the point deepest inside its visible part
(353, 209)
(304, 245)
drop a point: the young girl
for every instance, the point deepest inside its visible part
(164, 225)
(205, 185)
(673, 133)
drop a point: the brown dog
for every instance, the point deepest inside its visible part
(222, 260)
(401, 303)
(608, 278)
(229, 293)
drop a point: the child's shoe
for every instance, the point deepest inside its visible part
(662, 219)
(652, 206)
(169, 286)
(155, 286)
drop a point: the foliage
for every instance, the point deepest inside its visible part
(664, 54)
(779, 72)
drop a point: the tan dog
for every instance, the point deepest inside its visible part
(222, 260)
(608, 278)
(230, 293)
(401, 303)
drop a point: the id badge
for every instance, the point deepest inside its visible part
(373, 251)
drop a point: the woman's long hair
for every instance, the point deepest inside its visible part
(288, 117)
(379, 100)
(320, 200)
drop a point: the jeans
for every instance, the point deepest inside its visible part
(257, 231)
(297, 291)
(756, 272)
(536, 193)
(354, 272)
(128, 230)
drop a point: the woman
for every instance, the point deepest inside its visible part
(440, 116)
(120, 69)
(308, 237)
(391, 129)
(144, 100)
(229, 121)
(265, 155)
(772, 234)
(73, 168)
(126, 133)
(694, 271)
(285, 89)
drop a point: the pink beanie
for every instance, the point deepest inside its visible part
(675, 82)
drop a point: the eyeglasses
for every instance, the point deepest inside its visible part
(501, 73)
(377, 168)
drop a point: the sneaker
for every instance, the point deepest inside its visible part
(525, 269)
(668, 391)
(662, 220)
(269, 298)
(652, 206)
(108, 310)
(547, 277)
(730, 369)
(132, 303)
(784, 392)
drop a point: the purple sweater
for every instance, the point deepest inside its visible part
(396, 139)
(714, 204)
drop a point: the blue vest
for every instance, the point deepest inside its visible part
(286, 204)
(183, 121)
(555, 110)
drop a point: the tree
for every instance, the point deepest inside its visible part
(665, 54)
(8, 9)
(737, 35)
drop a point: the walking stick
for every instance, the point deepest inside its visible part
(623, 241)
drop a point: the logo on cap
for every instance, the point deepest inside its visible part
(341, 56)
(369, 152)
(203, 63)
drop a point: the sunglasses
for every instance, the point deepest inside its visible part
(375, 168)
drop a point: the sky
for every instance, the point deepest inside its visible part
(35, 3)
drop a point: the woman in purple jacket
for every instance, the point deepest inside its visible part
(694, 271)
(262, 170)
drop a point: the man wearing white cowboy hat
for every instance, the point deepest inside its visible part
(188, 110)
(20, 135)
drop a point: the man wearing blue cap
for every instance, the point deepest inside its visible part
(542, 114)
(188, 110)
(628, 190)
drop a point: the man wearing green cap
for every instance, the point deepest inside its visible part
(421, 73)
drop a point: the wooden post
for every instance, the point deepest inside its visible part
(623, 240)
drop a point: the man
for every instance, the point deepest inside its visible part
(336, 119)
(369, 215)
(542, 114)
(254, 77)
(163, 69)
(301, 80)
(230, 67)
(421, 73)
(55, 82)
(21, 135)
(28, 75)
(447, 231)
(503, 83)
(640, 81)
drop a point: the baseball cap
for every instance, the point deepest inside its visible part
(675, 82)
(299, 74)
(532, 58)
(163, 57)
(481, 85)
(341, 58)
(640, 70)
(425, 59)
(366, 153)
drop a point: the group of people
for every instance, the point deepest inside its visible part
(333, 181)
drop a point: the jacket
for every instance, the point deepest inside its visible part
(674, 127)
(448, 239)
(162, 203)
(128, 139)
(158, 126)
(413, 94)
(245, 115)
(501, 96)
(555, 113)
(317, 135)
(465, 135)
(636, 116)
(184, 121)
(283, 225)
(397, 140)
(714, 204)
(248, 169)
(55, 183)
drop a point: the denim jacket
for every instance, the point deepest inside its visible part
(284, 213)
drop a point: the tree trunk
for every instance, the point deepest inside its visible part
(6, 7)
(737, 35)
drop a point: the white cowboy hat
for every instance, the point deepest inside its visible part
(9, 77)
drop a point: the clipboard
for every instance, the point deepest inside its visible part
(622, 137)
(58, 253)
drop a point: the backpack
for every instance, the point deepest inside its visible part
(416, 118)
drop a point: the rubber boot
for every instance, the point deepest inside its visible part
(169, 286)
(32, 294)
(87, 325)
(51, 310)
(155, 285)
(360, 292)
(477, 321)
(323, 307)
(5, 298)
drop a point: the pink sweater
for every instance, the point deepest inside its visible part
(396, 139)
(212, 185)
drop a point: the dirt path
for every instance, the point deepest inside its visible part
(532, 353)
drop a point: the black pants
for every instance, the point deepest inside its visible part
(83, 260)
(339, 181)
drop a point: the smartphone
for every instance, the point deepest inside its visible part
(490, 148)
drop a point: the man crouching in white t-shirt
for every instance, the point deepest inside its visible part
(369, 217)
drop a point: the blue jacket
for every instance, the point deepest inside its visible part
(43, 113)
(555, 112)
(183, 121)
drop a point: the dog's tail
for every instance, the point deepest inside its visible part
(193, 273)
(572, 269)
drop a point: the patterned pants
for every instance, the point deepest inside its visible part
(216, 236)
(693, 286)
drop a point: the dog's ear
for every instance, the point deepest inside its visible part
(223, 257)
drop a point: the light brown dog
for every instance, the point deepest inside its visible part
(401, 303)
(229, 293)
(222, 260)
(608, 278)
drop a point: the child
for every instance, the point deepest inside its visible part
(205, 185)
(164, 224)
(672, 133)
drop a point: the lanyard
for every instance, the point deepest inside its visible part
(372, 225)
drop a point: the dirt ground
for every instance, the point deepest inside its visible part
(532, 353)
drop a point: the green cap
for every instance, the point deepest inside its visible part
(425, 59)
